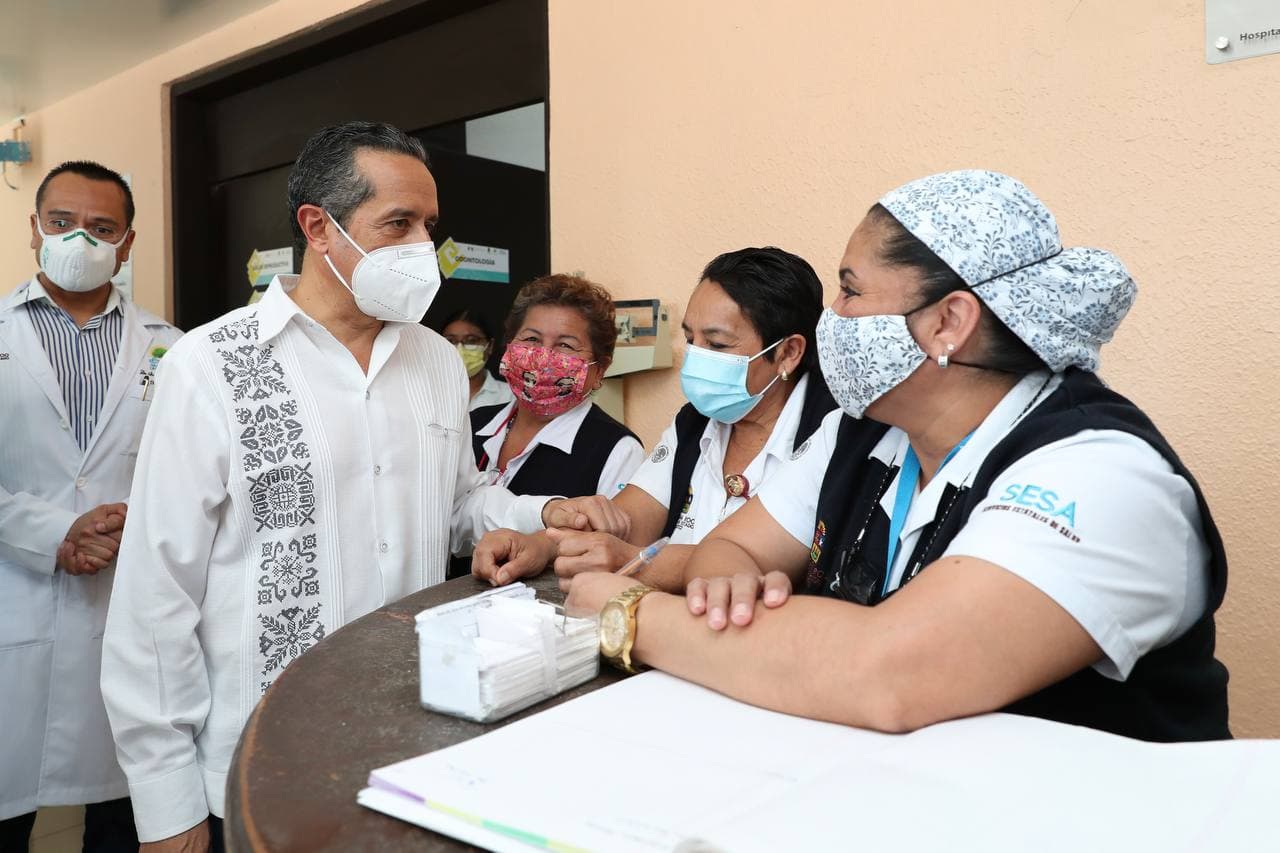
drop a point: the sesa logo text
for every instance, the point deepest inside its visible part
(1042, 499)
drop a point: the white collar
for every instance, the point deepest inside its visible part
(36, 291)
(559, 433)
(781, 438)
(1030, 391)
(276, 308)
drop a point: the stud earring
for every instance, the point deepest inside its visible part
(784, 375)
(945, 358)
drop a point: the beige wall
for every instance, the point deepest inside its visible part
(122, 122)
(682, 129)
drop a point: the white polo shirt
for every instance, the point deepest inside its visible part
(560, 434)
(708, 502)
(1098, 521)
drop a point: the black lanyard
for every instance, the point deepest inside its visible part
(863, 580)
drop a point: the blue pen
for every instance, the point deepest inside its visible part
(643, 559)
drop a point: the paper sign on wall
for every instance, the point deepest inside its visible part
(475, 263)
(266, 264)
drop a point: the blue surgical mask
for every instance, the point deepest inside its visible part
(716, 383)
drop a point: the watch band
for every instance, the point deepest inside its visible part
(629, 599)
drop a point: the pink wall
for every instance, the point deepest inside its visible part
(683, 129)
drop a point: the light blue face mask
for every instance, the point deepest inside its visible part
(716, 383)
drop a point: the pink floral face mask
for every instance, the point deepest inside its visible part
(546, 381)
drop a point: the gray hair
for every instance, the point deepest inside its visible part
(325, 172)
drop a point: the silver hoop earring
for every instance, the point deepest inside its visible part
(945, 358)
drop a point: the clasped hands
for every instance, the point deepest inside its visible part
(93, 540)
(585, 543)
(592, 528)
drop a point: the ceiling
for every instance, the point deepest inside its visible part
(50, 49)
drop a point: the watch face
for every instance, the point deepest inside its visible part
(613, 630)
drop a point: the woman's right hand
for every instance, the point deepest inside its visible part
(725, 599)
(588, 552)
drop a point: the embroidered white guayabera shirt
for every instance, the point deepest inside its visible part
(280, 493)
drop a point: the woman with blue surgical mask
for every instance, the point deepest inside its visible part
(755, 394)
(985, 526)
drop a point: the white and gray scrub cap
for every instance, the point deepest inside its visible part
(1002, 240)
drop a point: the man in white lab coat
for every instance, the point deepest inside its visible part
(308, 459)
(77, 361)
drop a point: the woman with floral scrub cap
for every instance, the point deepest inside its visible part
(996, 529)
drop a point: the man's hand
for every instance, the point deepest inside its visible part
(594, 512)
(736, 597)
(587, 552)
(194, 840)
(590, 591)
(503, 556)
(93, 540)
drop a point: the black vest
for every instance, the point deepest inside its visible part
(690, 424)
(1175, 693)
(551, 471)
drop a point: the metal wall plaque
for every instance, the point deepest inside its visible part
(1240, 29)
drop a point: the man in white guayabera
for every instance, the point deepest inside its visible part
(307, 460)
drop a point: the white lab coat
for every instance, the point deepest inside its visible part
(55, 743)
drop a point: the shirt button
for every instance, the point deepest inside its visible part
(66, 425)
(81, 483)
(377, 470)
(366, 395)
(384, 547)
(88, 372)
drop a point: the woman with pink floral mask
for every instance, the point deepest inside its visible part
(552, 440)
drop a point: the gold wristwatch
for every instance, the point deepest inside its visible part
(618, 626)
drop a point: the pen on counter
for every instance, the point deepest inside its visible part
(643, 559)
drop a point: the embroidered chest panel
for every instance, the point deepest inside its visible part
(291, 603)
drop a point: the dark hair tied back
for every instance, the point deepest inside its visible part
(1005, 351)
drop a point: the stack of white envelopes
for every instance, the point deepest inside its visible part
(493, 654)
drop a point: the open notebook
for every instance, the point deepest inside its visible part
(655, 763)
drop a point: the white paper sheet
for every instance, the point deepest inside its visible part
(654, 761)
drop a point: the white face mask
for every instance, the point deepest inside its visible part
(75, 261)
(863, 358)
(395, 282)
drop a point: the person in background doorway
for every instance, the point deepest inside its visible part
(473, 336)
(755, 395)
(307, 461)
(77, 370)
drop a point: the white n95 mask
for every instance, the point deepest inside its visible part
(392, 283)
(77, 262)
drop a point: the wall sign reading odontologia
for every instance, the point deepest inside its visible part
(477, 263)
